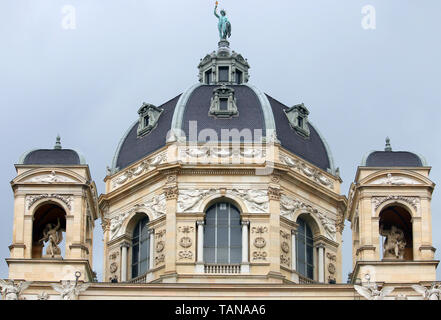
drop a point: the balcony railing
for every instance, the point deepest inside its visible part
(140, 279)
(305, 280)
(222, 269)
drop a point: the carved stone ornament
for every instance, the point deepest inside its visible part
(395, 180)
(114, 255)
(274, 193)
(432, 293)
(371, 291)
(189, 200)
(259, 229)
(13, 291)
(285, 260)
(255, 200)
(413, 201)
(310, 172)
(160, 259)
(185, 255)
(259, 242)
(70, 290)
(285, 246)
(156, 206)
(185, 242)
(160, 245)
(331, 268)
(66, 199)
(331, 256)
(289, 206)
(171, 193)
(143, 167)
(259, 255)
(53, 177)
(113, 267)
(186, 229)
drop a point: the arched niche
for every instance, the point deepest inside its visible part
(49, 222)
(395, 225)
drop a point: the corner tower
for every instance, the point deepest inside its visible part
(389, 210)
(55, 206)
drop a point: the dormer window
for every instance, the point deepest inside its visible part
(223, 103)
(298, 119)
(148, 118)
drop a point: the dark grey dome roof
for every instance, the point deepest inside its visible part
(132, 148)
(256, 111)
(56, 156)
(393, 159)
(312, 149)
(389, 158)
(250, 111)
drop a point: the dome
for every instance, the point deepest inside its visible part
(55, 156)
(389, 158)
(223, 107)
(256, 111)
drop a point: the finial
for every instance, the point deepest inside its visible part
(58, 143)
(388, 147)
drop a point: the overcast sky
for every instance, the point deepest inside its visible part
(87, 83)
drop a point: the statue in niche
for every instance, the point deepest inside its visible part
(12, 291)
(224, 25)
(394, 244)
(53, 235)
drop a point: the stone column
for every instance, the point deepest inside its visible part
(124, 262)
(321, 263)
(245, 266)
(171, 192)
(274, 231)
(200, 252)
(293, 250)
(152, 249)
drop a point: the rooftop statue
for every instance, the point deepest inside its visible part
(224, 25)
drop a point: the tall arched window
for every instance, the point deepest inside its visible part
(305, 249)
(223, 235)
(140, 248)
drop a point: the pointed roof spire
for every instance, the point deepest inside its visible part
(58, 143)
(388, 146)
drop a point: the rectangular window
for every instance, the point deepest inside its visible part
(224, 104)
(224, 74)
(300, 122)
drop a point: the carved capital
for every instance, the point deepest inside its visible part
(274, 193)
(171, 193)
(200, 223)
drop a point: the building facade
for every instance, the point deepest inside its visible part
(221, 192)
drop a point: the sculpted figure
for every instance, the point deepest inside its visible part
(70, 290)
(370, 290)
(224, 25)
(434, 293)
(11, 291)
(394, 244)
(53, 235)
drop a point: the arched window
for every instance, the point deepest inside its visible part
(223, 235)
(305, 249)
(140, 248)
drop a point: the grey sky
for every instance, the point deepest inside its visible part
(87, 84)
